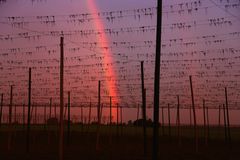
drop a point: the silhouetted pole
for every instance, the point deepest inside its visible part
(157, 82)
(50, 107)
(204, 123)
(137, 113)
(98, 115)
(225, 124)
(89, 114)
(194, 116)
(228, 121)
(117, 121)
(110, 123)
(169, 121)
(178, 121)
(219, 116)
(68, 129)
(1, 109)
(10, 119)
(163, 127)
(23, 113)
(15, 114)
(61, 99)
(143, 111)
(29, 108)
(208, 125)
(45, 116)
(110, 112)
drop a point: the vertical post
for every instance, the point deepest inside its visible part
(15, 114)
(194, 116)
(163, 127)
(1, 109)
(29, 108)
(89, 113)
(23, 113)
(110, 112)
(10, 119)
(61, 99)
(69, 112)
(178, 121)
(143, 111)
(157, 82)
(137, 114)
(228, 122)
(121, 120)
(98, 114)
(208, 127)
(225, 124)
(219, 116)
(204, 123)
(81, 107)
(45, 116)
(99, 101)
(169, 121)
(117, 122)
(110, 122)
(50, 107)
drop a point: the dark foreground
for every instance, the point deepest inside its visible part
(126, 144)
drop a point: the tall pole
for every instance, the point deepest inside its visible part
(29, 108)
(143, 111)
(61, 99)
(169, 121)
(228, 122)
(110, 112)
(10, 119)
(194, 115)
(1, 109)
(157, 82)
(68, 131)
(98, 115)
(50, 108)
(178, 121)
(23, 113)
(45, 116)
(225, 124)
(204, 122)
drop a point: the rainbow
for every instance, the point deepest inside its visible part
(98, 24)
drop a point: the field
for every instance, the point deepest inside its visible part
(118, 143)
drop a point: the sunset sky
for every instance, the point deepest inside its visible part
(106, 40)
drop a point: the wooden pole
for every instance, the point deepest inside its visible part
(50, 107)
(110, 112)
(225, 124)
(117, 121)
(61, 99)
(69, 114)
(1, 109)
(45, 116)
(89, 114)
(219, 116)
(10, 119)
(23, 113)
(178, 121)
(204, 123)
(110, 122)
(143, 111)
(163, 127)
(98, 115)
(157, 82)
(228, 121)
(29, 109)
(208, 125)
(194, 116)
(169, 121)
